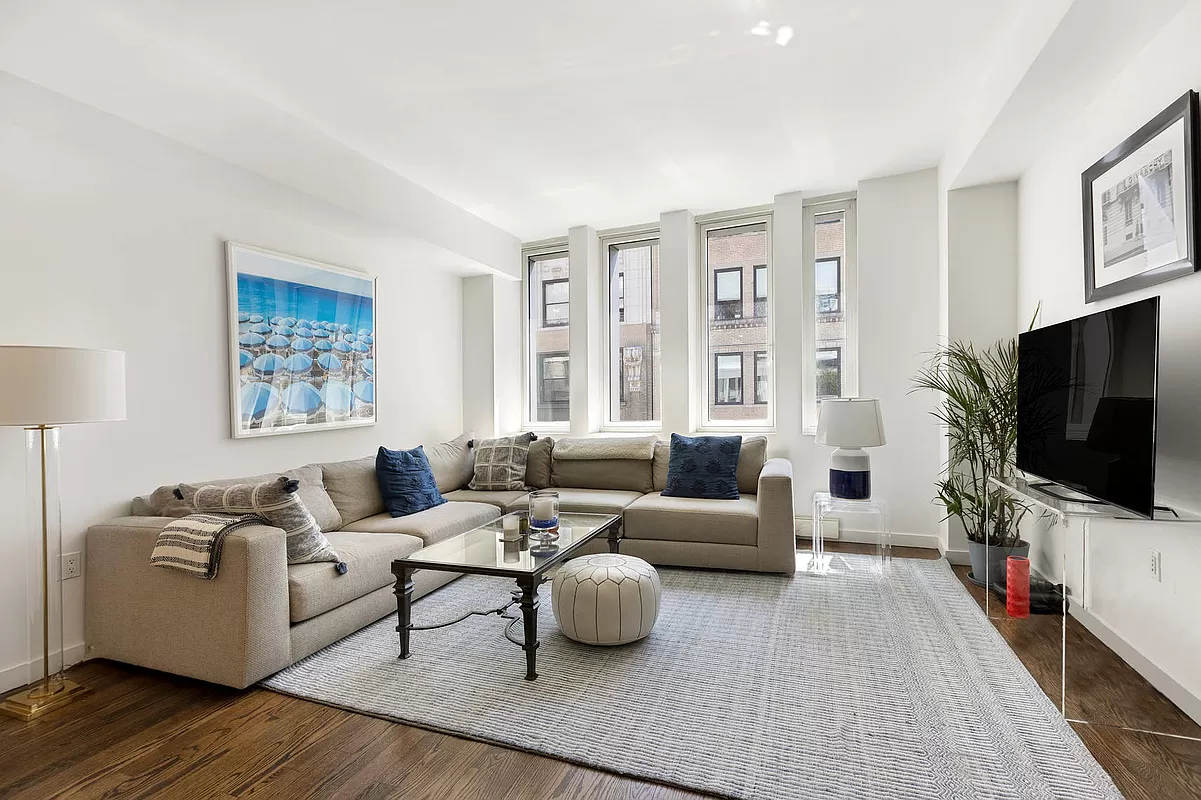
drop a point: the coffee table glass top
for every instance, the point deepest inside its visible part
(484, 549)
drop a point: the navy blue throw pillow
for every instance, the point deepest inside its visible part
(704, 467)
(406, 481)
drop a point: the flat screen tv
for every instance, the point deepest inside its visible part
(1087, 404)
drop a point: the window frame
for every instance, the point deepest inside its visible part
(545, 249)
(740, 302)
(838, 288)
(849, 294)
(755, 298)
(741, 378)
(565, 323)
(563, 355)
(705, 375)
(755, 377)
(839, 351)
(631, 235)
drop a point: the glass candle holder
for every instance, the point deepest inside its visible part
(544, 513)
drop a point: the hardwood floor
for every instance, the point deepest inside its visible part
(146, 734)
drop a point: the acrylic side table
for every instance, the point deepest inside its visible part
(872, 509)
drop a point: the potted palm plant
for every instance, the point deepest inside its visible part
(979, 402)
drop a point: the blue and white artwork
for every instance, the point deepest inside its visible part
(303, 344)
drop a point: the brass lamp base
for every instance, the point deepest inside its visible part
(36, 700)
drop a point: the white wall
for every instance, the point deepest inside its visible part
(111, 236)
(1158, 620)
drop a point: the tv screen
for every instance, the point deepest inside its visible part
(1086, 404)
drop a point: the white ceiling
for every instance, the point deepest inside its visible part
(543, 114)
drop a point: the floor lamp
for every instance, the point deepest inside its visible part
(45, 388)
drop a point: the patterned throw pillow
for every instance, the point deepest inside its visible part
(278, 503)
(500, 463)
(704, 467)
(406, 481)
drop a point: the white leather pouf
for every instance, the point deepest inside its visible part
(606, 599)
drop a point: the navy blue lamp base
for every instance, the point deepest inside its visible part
(850, 474)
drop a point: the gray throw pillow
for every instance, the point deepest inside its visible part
(278, 503)
(500, 463)
(452, 462)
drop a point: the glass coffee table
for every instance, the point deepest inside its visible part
(485, 551)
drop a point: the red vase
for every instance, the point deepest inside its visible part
(1017, 586)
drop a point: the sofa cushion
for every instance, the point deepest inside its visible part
(537, 467)
(584, 501)
(406, 481)
(690, 519)
(163, 503)
(352, 487)
(499, 499)
(500, 463)
(316, 588)
(620, 474)
(704, 467)
(452, 462)
(433, 524)
(751, 459)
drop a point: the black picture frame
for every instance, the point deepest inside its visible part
(1186, 109)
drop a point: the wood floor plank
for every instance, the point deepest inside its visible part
(142, 734)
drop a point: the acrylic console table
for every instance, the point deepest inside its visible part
(1061, 535)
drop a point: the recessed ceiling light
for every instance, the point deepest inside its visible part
(762, 29)
(784, 35)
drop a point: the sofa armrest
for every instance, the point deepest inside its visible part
(232, 630)
(777, 534)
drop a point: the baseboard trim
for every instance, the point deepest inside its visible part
(1188, 702)
(957, 557)
(19, 675)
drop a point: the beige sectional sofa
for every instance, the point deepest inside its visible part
(260, 615)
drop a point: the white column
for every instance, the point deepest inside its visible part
(678, 301)
(789, 313)
(479, 355)
(585, 272)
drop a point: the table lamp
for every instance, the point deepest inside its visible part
(45, 388)
(850, 424)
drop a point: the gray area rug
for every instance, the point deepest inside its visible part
(751, 686)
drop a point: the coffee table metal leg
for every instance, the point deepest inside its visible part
(615, 538)
(529, 614)
(404, 605)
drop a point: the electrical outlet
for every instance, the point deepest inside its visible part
(1157, 566)
(70, 565)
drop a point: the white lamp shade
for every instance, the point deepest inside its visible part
(850, 422)
(60, 385)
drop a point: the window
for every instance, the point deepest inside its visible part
(829, 372)
(727, 293)
(736, 336)
(829, 256)
(761, 389)
(727, 372)
(554, 302)
(828, 279)
(761, 291)
(548, 367)
(554, 386)
(632, 330)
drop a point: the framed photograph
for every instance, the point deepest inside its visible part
(1140, 206)
(302, 344)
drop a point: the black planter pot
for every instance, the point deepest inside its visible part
(993, 557)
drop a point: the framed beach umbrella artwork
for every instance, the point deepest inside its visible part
(302, 344)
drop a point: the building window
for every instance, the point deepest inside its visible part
(829, 372)
(554, 386)
(727, 293)
(761, 291)
(761, 385)
(735, 335)
(632, 330)
(727, 374)
(829, 259)
(547, 335)
(828, 279)
(555, 302)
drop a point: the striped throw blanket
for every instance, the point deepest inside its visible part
(192, 544)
